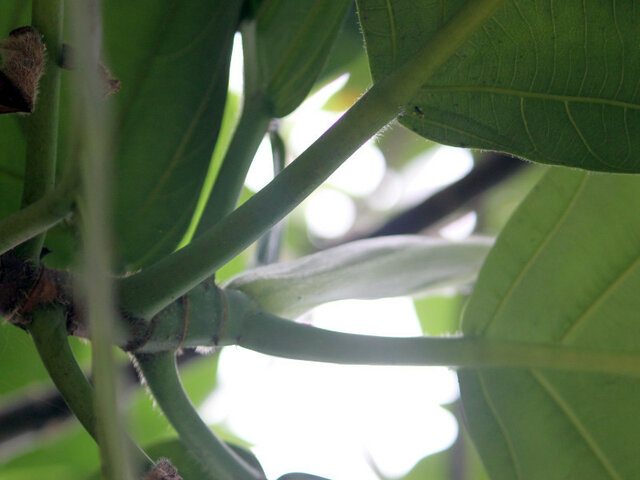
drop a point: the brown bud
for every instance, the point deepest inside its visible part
(23, 56)
(163, 471)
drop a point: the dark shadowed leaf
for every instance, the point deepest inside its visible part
(286, 46)
(554, 82)
(172, 59)
(565, 270)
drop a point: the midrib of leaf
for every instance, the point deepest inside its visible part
(529, 94)
(545, 241)
(607, 292)
(503, 428)
(575, 422)
(392, 32)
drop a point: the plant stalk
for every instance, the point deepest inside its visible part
(147, 292)
(161, 375)
(41, 215)
(278, 337)
(49, 335)
(251, 129)
(42, 124)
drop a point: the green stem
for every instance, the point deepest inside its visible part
(251, 128)
(40, 215)
(182, 270)
(275, 336)
(270, 243)
(161, 374)
(50, 337)
(42, 124)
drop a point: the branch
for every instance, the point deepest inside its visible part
(48, 331)
(251, 128)
(41, 215)
(492, 169)
(222, 462)
(278, 337)
(147, 292)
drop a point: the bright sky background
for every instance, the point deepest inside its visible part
(335, 420)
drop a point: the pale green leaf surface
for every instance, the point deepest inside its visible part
(172, 60)
(554, 82)
(287, 45)
(373, 268)
(565, 270)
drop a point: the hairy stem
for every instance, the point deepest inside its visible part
(181, 271)
(42, 124)
(222, 463)
(50, 337)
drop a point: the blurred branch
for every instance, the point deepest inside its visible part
(35, 413)
(492, 169)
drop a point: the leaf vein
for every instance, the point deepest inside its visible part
(576, 423)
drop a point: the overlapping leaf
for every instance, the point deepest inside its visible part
(554, 82)
(172, 59)
(372, 268)
(565, 270)
(286, 47)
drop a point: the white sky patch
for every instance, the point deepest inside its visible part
(461, 228)
(321, 418)
(329, 213)
(362, 173)
(261, 169)
(309, 121)
(325, 419)
(433, 170)
(236, 75)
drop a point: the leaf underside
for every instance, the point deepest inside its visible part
(554, 82)
(173, 62)
(565, 270)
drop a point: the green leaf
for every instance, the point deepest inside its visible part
(71, 449)
(374, 268)
(554, 82)
(565, 270)
(286, 46)
(172, 59)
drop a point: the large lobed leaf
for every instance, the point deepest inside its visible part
(565, 270)
(172, 58)
(373, 268)
(553, 82)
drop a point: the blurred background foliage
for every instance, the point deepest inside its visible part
(38, 439)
